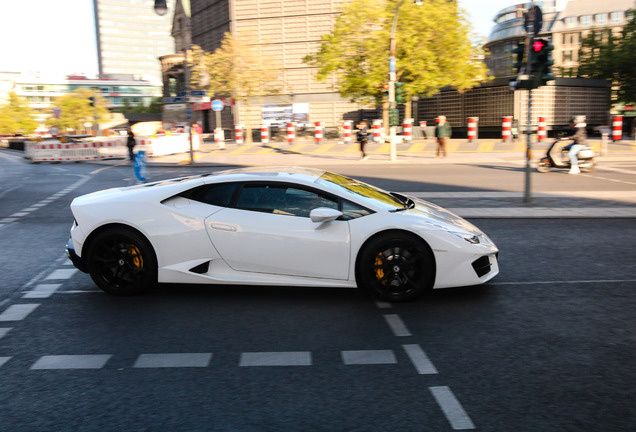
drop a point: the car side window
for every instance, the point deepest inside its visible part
(352, 210)
(282, 199)
(215, 194)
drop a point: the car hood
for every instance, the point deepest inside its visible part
(440, 217)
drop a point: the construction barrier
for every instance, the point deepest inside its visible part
(377, 134)
(506, 129)
(219, 137)
(54, 150)
(617, 128)
(347, 131)
(318, 132)
(408, 129)
(472, 129)
(238, 134)
(542, 133)
(291, 133)
(265, 134)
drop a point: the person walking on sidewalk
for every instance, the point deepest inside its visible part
(443, 132)
(363, 136)
(130, 143)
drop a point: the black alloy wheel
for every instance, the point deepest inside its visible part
(396, 267)
(122, 262)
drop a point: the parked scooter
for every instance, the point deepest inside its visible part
(556, 157)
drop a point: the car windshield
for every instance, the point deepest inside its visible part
(379, 196)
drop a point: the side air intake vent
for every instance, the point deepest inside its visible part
(482, 266)
(201, 268)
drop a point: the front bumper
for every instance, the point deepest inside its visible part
(75, 259)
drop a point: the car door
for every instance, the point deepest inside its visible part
(268, 230)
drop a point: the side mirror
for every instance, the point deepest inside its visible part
(324, 214)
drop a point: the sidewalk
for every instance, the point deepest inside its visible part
(486, 204)
(332, 152)
(478, 204)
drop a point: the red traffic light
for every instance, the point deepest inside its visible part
(385, 86)
(538, 45)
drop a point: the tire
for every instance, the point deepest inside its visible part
(396, 267)
(121, 262)
(544, 165)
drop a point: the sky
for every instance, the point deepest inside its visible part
(57, 37)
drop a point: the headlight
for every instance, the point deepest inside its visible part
(470, 238)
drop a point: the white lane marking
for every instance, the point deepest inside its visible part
(4, 331)
(563, 282)
(18, 215)
(18, 312)
(286, 358)
(3, 360)
(71, 362)
(8, 220)
(397, 325)
(173, 360)
(383, 305)
(452, 409)
(42, 291)
(368, 357)
(62, 274)
(420, 360)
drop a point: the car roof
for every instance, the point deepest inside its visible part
(293, 174)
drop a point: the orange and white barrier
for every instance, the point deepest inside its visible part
(54, 150)
(238, 134)
(347, 131)
(377, 134)
(617, 128)
(506, 129)
(408, 129)
(472, 129)
(318, 132)
(291, 133)
(541, 130)
(265, 134)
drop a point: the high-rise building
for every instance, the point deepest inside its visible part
(131, 37)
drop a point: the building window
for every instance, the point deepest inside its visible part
(586, 20)
(601, 19)
(570, 21)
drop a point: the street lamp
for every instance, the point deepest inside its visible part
(161, 8)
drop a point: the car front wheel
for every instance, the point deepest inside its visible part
(396, 267)
(122, 262)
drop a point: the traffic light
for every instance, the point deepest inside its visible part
(543, 61)
(399, 92)
(394, 116)
(385, 90)
(519, 51)
(91, 101)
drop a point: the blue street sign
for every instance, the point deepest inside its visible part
(169, 100)
(140, 167)
(198, 93)
(217, 105)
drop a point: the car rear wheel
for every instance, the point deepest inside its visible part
(396, 267)
(122, 262)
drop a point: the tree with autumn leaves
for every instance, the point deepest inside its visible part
(434, 49)
(239, 68)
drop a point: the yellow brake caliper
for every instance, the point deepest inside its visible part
(137, 258)
(379, 270)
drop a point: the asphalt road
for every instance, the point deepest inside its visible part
(548, 345)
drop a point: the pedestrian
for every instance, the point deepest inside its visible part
(443, 132)
(363, 136)
(130, 143)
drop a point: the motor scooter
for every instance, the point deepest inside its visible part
(556, 157)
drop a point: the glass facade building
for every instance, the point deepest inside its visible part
(131, 37)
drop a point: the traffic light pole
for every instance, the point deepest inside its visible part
(528, 195)
(392, 79)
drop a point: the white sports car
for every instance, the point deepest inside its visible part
(275, 226)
